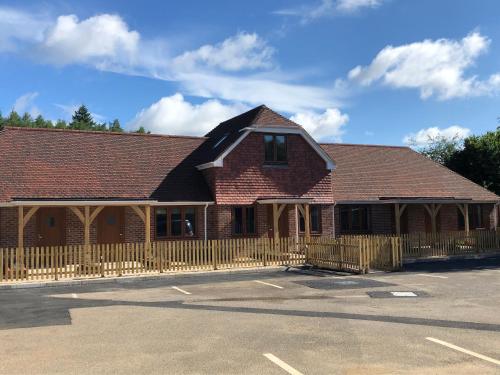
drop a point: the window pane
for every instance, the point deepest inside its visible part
(189, 221)
(161, 222)
(344, 218)
(280, 148)
(250, 220)
(175, 222)
(302, 223)
(238, 220)
(269, 147)
(355, 219)
(315, 219)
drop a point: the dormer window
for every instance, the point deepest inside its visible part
(275, 149)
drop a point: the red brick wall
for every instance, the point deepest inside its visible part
(244, 177)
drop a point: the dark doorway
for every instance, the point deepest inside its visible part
(283, 222)
(110, 225)
(51, 226)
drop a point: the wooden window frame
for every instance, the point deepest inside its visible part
(169, 221)
(350, 209)
(320, 221)
(244, 232)
(275, 150)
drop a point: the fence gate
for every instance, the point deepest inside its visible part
(381, 252)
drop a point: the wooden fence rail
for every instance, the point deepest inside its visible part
(60, 262)
(425, 245)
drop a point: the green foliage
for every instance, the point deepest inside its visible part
(479, 160)
(141, 130)
(441, 149)
(81, 120)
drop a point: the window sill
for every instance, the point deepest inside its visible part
(275, 165)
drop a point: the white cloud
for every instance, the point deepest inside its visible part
(435, 67)
(239, 52)
(25, 103)
(425, 136)
(97, 40)
(174, 115)
(219, 70)
(17, 26)
(327, 8)
(355, 5)
(328, 125)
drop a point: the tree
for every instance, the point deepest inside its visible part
(115, 126)
(14, 119)
(141, 130)
(61, 124)
(479, 160)
(82, 119)
(440, 149)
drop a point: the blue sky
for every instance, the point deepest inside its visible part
(356, 71)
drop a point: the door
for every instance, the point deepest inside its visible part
(283, 222)
(51, 226)
(110, 225)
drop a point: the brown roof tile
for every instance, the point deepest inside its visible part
(64, 164)
(366, 172)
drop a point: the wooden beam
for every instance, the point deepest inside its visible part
(466, 217)
(139, 213)
(29, 215)
(78, 213)
(402, 209)
(307, 220)
(86, 225)
(301, 209)
(281, 209)
(95, 213)
(147, 224)
(276, 231)
(461, 208)
(397, 217)
(20, 227)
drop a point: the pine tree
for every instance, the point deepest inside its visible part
(115, 126)
(61, 124)
(27, 120)
(82, 119)
(14, 119)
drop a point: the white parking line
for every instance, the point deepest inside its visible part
(458, 348)
(285, 366)
(73, 295)
(180, 290)
(263, 282)
(436, 276)
(353, 296)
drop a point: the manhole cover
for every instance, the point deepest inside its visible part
(397, 294)
(343, 284)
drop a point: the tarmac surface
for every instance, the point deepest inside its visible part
(435, 318)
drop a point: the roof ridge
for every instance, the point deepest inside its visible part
(364, 145)
(75, 131)
(263, 108)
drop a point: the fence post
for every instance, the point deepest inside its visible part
(54, 262)
(214, 246)
(264, 253)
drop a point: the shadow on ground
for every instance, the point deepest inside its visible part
(454, 265)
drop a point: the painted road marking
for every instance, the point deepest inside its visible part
(403, 294)
(353, 296)
(263, 282)
(180, 290)
(458, 348)
(285, 366)
(436, 276)
(73, 295)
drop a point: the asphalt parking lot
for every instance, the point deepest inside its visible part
(439, 318)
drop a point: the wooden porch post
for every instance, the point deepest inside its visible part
(297, 220)
(307, 220)
(20, 228)
(86, 225)
(466, 217)
(276, 231)
(433, 211)
(397, 217)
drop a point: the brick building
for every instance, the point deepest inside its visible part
(258, 174)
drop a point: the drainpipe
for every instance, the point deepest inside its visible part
(205, 219)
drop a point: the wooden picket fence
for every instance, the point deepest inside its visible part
(427, 245)
(355, 253)
(73, 262)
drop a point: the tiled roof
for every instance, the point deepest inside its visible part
(227, 132)
(65, 164)
(366, 172)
